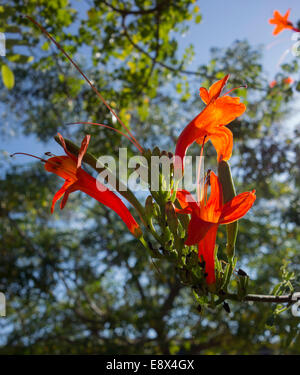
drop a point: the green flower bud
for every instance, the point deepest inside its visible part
(149, 207)
(171, 217)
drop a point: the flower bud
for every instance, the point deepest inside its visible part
(156, 151)
(171, 217)
(149, 207)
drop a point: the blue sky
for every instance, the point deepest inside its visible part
(223, 22)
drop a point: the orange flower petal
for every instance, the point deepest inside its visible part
(186, 199)
(64, 200)
(227, 109)
(288, 80)
(60, 193)
(90, 186)
(62, 166)
(237, 207)
(216, 88)
(206, 251)
(286, 16)
(197, 230)
(184, 211)
(188, 136)
(68, 167)
(218, 112)
(204, 95)
(83, 148)
(222, 139)
(211, 209)
(63, 143)
(278, 29)
(281, 22)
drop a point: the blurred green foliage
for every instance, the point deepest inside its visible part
(76, 282)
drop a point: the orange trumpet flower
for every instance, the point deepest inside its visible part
(288, 81)
(207, 215)
(281, 22)
(69, 168)
(210, 123)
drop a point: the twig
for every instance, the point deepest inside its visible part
(287, 298)
(292, 298)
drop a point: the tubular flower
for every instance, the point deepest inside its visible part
(207, 215)
(210, 123)
(281, 22)
(288, 81)
(69, 168)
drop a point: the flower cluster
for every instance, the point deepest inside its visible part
(281, 22)
(208, 213)
(185, 228)
(203, 215)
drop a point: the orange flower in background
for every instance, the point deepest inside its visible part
(207, 215)
(281, 22)
(288, 81)
(210, 123)
(69, 168)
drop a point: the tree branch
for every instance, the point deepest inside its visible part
(166, 66)
(168, 303)
(126, 12)
(287, 298)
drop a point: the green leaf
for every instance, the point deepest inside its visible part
(20, 59)
(276, 289)
(8, 77)
(45, 46)
(198, 18)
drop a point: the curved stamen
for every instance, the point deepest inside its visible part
(85, 77)
(236, 88)
(24, 153)
(108, 127)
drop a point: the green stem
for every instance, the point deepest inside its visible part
(153, 252)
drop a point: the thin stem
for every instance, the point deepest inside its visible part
(236, 88)
(108, 127)
(154, 253)
(84, 76)
(152, 230)
(32, 156)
